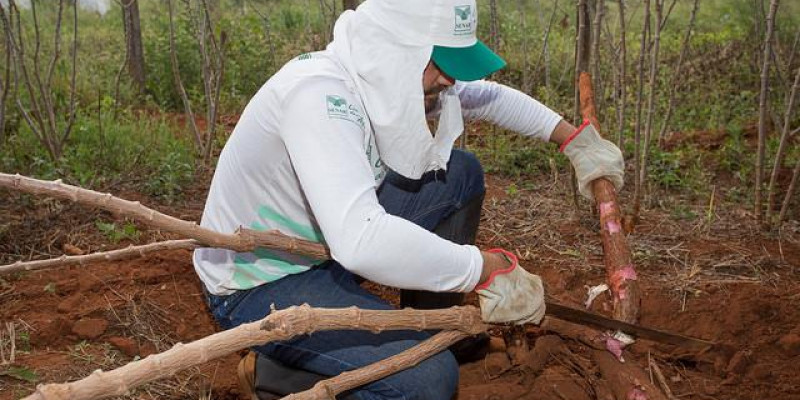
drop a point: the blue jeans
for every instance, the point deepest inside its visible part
(330, 285)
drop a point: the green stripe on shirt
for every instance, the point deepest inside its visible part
(305, 231)
(247, 274)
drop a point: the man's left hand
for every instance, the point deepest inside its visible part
(593, 157)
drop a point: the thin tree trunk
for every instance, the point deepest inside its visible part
(267, 35)
(50, 125)
(582, 58)
(583, 51)
(653, 85)
(328, 25)
(5, 87)
(187, 105)
(637, 152)
(349, 4)
(762, 109)
(118, 80)
(526, 64)
(494, 25)
(677, 78)
(623, 78)
(133, 44)
(787, 119)
(595, 59)
(789, 192)
(544, 56)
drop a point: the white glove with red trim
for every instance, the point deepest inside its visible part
(593, 157)
(511, 294)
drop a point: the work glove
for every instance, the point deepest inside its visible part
(511, 295)
(593, 157)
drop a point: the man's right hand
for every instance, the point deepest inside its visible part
(511, 294)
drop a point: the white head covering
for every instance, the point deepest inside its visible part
(385, 46)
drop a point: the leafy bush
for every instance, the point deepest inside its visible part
(104, 151)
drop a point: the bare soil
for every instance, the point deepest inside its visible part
(706, 272)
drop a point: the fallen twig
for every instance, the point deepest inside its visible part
(112, 255)
(279, 325)
(329, 388)
(243, 240)
(661, 380)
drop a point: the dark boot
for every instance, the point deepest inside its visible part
(262, 378)
(461, 227)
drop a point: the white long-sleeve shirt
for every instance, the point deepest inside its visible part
(302, 159)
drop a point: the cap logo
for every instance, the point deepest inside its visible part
(464, 20)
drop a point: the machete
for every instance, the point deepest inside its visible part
(586, 318)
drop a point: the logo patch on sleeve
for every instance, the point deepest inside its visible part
(339, 109)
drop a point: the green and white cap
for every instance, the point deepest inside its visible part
(457, 51)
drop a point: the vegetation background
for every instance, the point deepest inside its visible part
(125, 136)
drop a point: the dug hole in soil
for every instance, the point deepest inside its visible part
(720, 281)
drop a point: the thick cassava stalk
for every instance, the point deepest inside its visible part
(242, 240)
(637, 152)
(677, 78)
(113, 255)
(625, 379)
(651, 97)
(329, 388)
(781, 152)
(617, 256)
(280, 325)
(762, 109)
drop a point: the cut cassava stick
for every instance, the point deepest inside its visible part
(626, 379)
(112, 255)
(279, 325)
(243, 240)
(617, 255)
(329, 388)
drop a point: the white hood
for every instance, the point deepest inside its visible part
(385, 46)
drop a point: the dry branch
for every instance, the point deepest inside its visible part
(623, 78)
(187, 105)
(329, 388)
(42, 114)
(637, 135)
(789, 192)
(781, 152)
(762, 108)
(243, 240)
(280, 325)
(113, 255)
(677, 76)
(653, 85)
